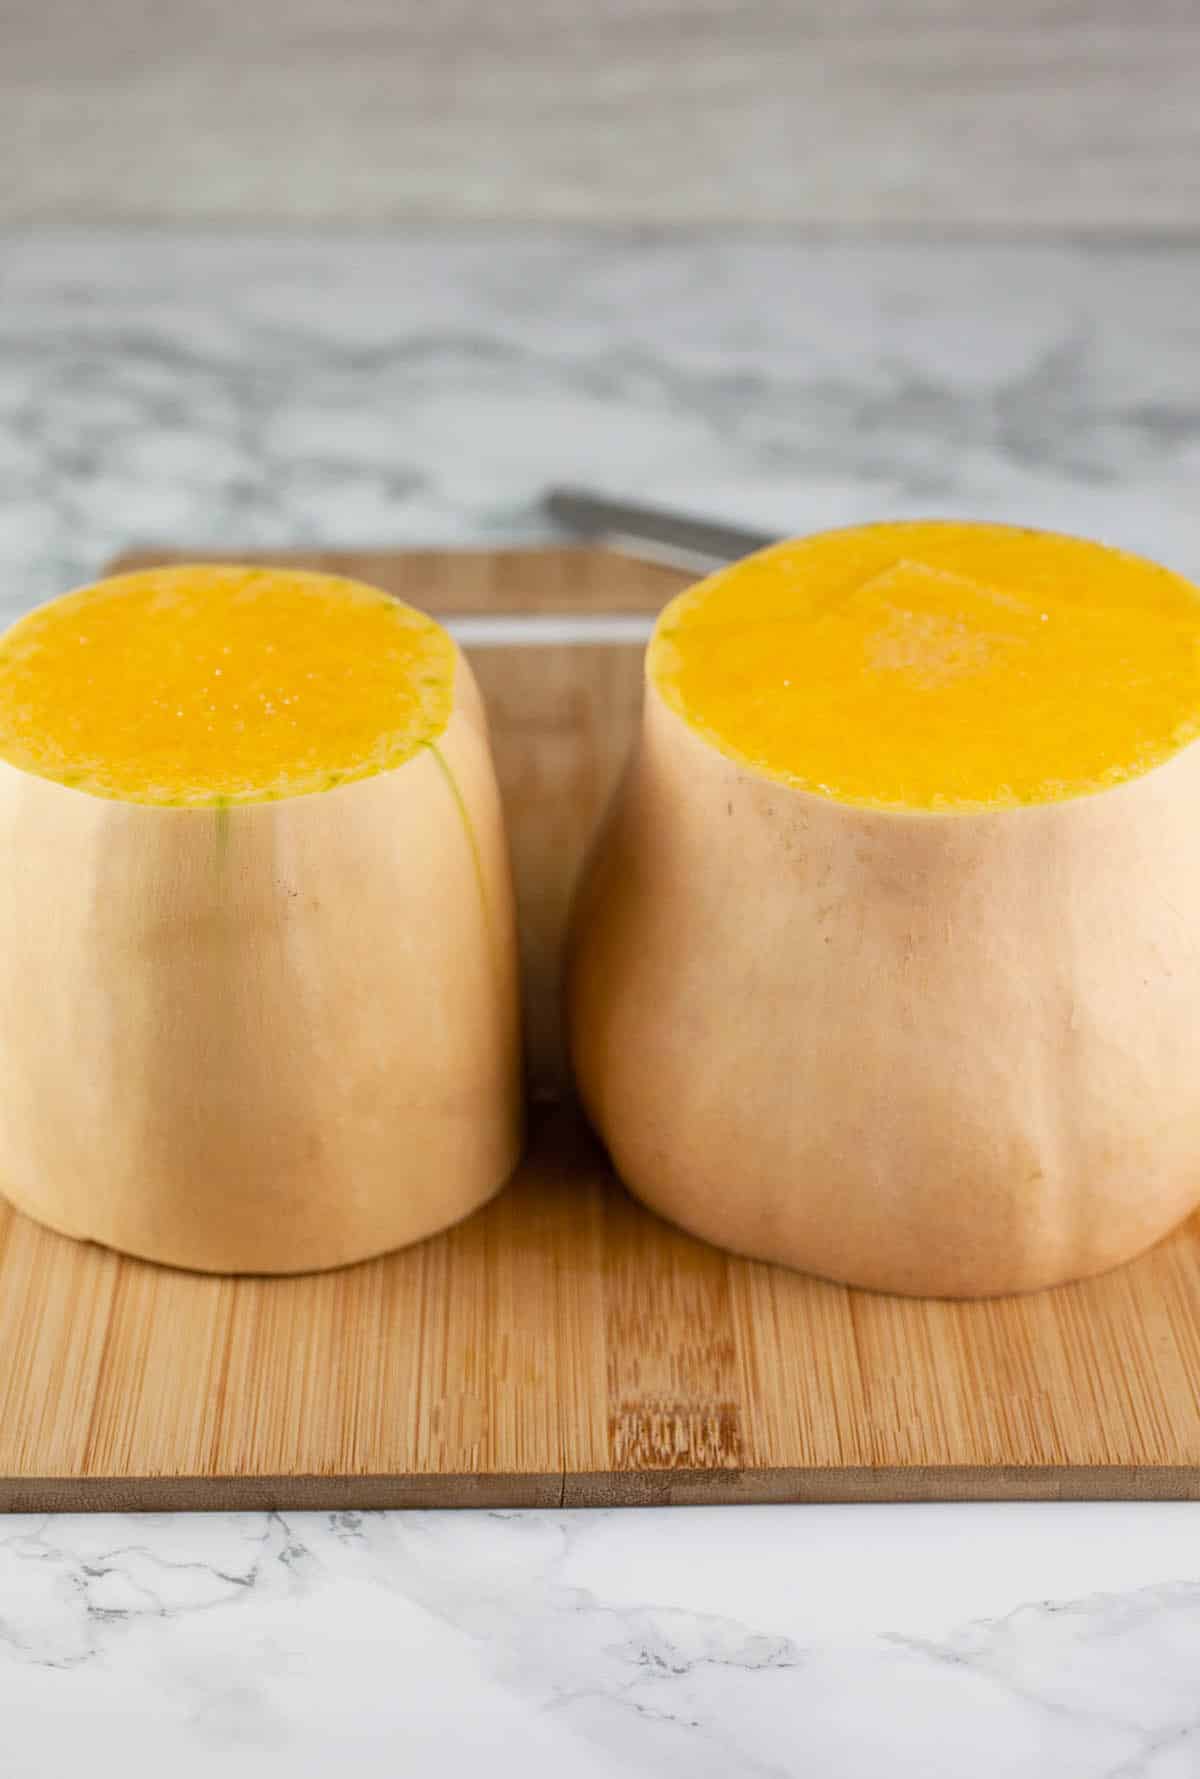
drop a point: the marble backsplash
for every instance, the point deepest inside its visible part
(229, 392)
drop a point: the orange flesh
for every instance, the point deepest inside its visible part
(215, 684)
(937, 665)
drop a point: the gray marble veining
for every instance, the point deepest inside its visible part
(235, 392)
(923, 1642)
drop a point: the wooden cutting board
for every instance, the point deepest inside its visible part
(564, 1346)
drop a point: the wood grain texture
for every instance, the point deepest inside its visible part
(563, 1345)
(951, 113)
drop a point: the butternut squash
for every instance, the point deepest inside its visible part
(887, 961)
(258, 999)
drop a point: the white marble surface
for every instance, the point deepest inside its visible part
(253, 392)
(842, 1643)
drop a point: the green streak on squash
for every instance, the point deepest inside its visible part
(472, 842)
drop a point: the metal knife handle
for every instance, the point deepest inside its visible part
(674, 538)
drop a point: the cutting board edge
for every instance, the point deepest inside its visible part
(894, 1484)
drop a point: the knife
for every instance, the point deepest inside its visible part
(651, 534)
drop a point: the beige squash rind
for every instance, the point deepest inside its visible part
(934, 1054)
(269, 1038)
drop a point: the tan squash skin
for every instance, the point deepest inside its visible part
(271, 1038)
(948, 1055)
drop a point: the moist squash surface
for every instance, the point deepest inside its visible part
(938, 665)
(215, 683)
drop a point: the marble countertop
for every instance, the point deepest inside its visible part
(838, 1642)
(236, 392)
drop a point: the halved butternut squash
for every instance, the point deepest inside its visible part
(887, 962)
(258, 995)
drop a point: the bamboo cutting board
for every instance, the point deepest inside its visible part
(563, 1345)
